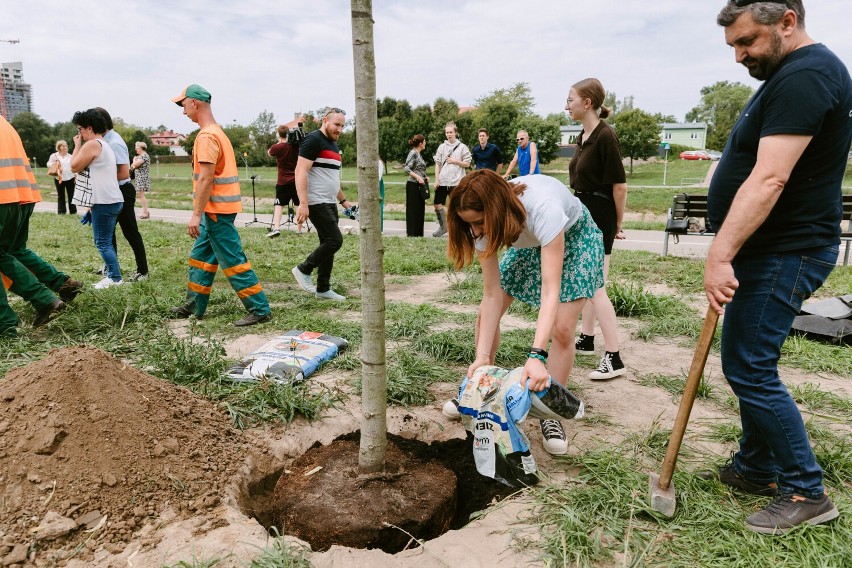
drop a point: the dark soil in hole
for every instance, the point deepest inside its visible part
(473, 493)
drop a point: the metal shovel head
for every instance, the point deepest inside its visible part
(662, 500)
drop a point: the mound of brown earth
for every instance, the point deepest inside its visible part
(88, 442)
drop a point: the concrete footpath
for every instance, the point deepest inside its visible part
(689, 246)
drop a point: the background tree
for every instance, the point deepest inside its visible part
(262, 135)
(391, 139)
(418, 122)
(518, 96)
(374, 428)
(65, 131)
(37, 136)
(545, 132)
(639, 134)
(720, 107)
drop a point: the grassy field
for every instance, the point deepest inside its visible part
(172, 187)
(586, 521)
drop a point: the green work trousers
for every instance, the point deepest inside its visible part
(219, 245)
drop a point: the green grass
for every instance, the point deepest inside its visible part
(171, 186)
(588, 520)
(604, 511)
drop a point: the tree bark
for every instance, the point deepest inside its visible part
(371, 454)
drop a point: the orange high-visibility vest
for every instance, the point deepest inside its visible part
(17, 182)
(225, 196)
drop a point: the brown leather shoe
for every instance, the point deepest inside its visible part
(48, 312)
(70, 290)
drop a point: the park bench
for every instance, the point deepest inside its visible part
(688, 209)
(685, 217)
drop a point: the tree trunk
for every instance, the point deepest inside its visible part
(371, 455)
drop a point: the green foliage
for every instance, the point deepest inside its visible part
(720, 107)
(184, 362)
(262, 135)
(283, 554)
(638, 133)
(37, 136)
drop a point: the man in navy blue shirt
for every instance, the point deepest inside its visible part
(486, 156)
(776, 197)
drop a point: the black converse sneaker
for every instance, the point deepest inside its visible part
(553, 437)
(787, 511)
(609, 367)
(585, 344)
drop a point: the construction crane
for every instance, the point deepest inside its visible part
(11, 40)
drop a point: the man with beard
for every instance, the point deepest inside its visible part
(318, 187)
(776, 197)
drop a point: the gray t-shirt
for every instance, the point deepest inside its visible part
(551, 210)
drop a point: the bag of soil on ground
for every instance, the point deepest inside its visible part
(492, 403)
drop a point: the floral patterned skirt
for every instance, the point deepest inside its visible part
(582, 267)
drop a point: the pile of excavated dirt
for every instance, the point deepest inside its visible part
(91, 449)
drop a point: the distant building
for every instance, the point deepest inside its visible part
(171, 140)
(689, 134)
(15, 94)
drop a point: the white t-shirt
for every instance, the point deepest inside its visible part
(551, 210)
(64, 161)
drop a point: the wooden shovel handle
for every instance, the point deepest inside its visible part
(699, 359)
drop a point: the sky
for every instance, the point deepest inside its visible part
(288, 56)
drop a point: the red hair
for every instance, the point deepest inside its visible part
(504, 215)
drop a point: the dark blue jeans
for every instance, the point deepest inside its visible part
(104, 218)
(324, 218)
(774, 447)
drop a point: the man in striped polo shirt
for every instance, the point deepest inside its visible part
(318, 187)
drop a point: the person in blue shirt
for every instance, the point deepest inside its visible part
(526, 156)
(486, 156)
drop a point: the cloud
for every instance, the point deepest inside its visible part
(290, 56)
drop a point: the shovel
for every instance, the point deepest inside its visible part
(662, 489)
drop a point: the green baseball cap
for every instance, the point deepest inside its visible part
(193, 91)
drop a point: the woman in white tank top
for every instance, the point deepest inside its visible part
(94, 163)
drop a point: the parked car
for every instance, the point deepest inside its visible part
(695, 155)
(714, 155)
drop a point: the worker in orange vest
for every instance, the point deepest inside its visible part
(24, 272)
(216, 202)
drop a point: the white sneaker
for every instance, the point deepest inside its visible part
(451, 409)
(553, 437)
(107, 283)
(330, 295)
(137, 277)
(304, 281)
(273, 233)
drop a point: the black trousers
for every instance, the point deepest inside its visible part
(130, 229)
(65, 190)
(415, 207)
(324, 218)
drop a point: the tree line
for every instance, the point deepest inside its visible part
(502, 112)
